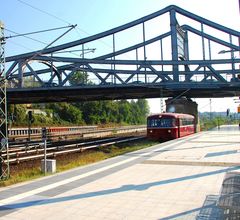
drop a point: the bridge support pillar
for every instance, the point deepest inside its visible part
(183, 105)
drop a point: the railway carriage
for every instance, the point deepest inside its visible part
(167, 126)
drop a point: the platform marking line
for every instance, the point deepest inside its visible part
(11, 199)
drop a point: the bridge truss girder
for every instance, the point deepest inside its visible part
(114, 67)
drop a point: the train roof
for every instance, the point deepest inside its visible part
(169, 114)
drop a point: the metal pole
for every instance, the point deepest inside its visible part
(137, 64)
(210, 102)
(174, 44)
(4, 162)
(30, 120)
(44, 137)
(114, 58)
(203, 50)
(239, 37)
(161, 46)
(29, 130)
(45, 156)
(232, 58)
(144, 51)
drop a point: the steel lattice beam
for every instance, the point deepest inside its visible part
(4, 164)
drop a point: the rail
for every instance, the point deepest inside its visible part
(37, 131)
(72, 132)
(20, 156)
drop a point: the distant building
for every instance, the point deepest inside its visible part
(38, 112)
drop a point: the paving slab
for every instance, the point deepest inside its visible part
(179, 179)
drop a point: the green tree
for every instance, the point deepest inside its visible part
(67, 112)
(124, 112)
(143, 108)
(91, 112)
(19, 113)
(79, 77)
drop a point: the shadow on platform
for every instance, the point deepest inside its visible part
(123, 188)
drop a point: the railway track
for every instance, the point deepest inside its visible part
(70, 133)
(35, 151)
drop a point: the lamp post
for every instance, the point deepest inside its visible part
(232, 57)
(228, 51)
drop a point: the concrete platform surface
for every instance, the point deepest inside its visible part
(179, 179)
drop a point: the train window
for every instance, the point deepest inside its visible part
(166, 122)
(186, 121)
(153, 122)
(163, 122)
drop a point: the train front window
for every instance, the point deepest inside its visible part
(161, 122)
(166, 122)
(153, 122)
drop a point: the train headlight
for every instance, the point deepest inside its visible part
(150, 131)
(169, 131)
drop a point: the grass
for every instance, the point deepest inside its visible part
(24, 175)
(70, 161)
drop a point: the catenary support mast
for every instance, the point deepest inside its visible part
(4, 162)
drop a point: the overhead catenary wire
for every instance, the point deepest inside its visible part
(37, 32)
(54, 16)
(42, 42)
(43, 11)
(48, 45)
(39, 53)
(60, 19)
(30, 33)
(178, 96)
(31, 38)
(202, 107)
(63, 20)
(20, 45)
(51, 15)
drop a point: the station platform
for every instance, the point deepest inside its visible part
(179, 179)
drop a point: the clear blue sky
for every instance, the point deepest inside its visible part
(94, 16)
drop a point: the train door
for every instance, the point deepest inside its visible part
(179, 124)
